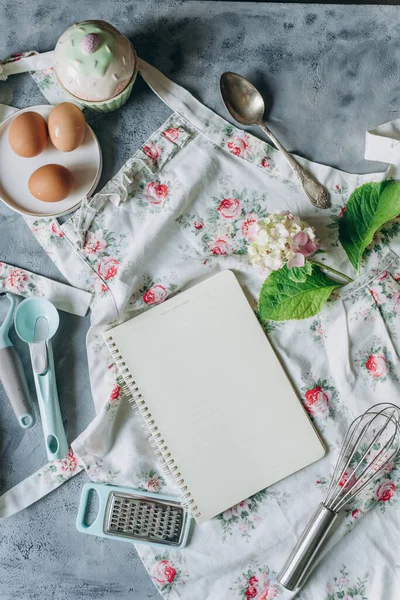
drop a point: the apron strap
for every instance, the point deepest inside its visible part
(38, 485)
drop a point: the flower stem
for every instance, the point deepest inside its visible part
(327, 268)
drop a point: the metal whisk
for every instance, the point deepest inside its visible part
(370, 446)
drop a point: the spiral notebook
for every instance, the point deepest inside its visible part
(221, 411)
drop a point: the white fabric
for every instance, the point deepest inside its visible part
(177, 212)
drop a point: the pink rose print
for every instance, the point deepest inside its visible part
(249, 228)
(171, 134)
(156, 192)
(17, 280)
(251, 592)
(154, 484)
(385, 491)
(115, 393)
(56, 230)
(69, 463)
(94, 242)
(356, 513)
(164, 572)
(229, 208)
(342, 212)
(238, 145)
(152, 151)
(198, 225)
(265, 162)
(317, 402)
(219, 247)
(108, 268)
(377, 366)
(253, 580)
(346, 481)
(155, 294)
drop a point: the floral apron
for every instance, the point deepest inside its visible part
(180, 210)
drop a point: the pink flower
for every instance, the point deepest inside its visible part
(94, 242)
(375, 296)
(337, 187)
(317, 402)
(253, 580)
(115, 392)
(377, 366)
(219, 247)
(342, 212)
(171, 134)
(265, 163)
(153, 484)
(198, 225)
(251, 592)
(155, 294)
(17, 280)
(356, 513)
(56, 230)
(249, 227)
(108, 268)
(152, 151)
(229, 208)
(303, 246)
(69, 463)
(238, 146)
(156, 192)
(164, 572)
(385, 491)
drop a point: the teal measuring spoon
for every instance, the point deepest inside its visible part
(12, 374)
(36, 321)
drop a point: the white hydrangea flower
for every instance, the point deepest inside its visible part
(282, 239)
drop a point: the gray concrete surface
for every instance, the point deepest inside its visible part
(330, 72)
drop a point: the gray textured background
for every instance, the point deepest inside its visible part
(331, 72)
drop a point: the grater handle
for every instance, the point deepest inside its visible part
(103, 493)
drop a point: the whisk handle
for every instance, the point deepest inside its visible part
(300, 561)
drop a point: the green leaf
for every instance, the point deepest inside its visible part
(282, 299)
(369, 207)
(299, 274)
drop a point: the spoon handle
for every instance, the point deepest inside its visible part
(314, 191)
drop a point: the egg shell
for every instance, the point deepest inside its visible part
(51, 183)
(28, 135)
(67, 127)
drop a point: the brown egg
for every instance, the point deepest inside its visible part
(28, 134)
(51, 183)
(67, 127)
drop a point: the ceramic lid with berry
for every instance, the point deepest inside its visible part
(94, 61)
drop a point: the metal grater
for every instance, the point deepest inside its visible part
(135, 516)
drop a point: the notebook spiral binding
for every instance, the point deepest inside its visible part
(130, 389)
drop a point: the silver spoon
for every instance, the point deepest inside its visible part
(246, 106)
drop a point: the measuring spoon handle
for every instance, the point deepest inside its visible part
(314, 191)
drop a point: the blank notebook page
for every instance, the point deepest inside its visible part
(220, 398)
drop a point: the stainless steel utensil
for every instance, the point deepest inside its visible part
(246, 106)
(371, 443)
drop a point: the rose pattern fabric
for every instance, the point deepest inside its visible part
(152, 151)
(385, 491)
(259, 188)
(320, 399)
(62, 469)
(108, 268)
(343, 587)
(156, 294)
(376, 364)
(151, 481)
(257, 582)
(171, 134)
(168, 572)
(18, 280)
(95, 242)
(156, 192)
(229, 208)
